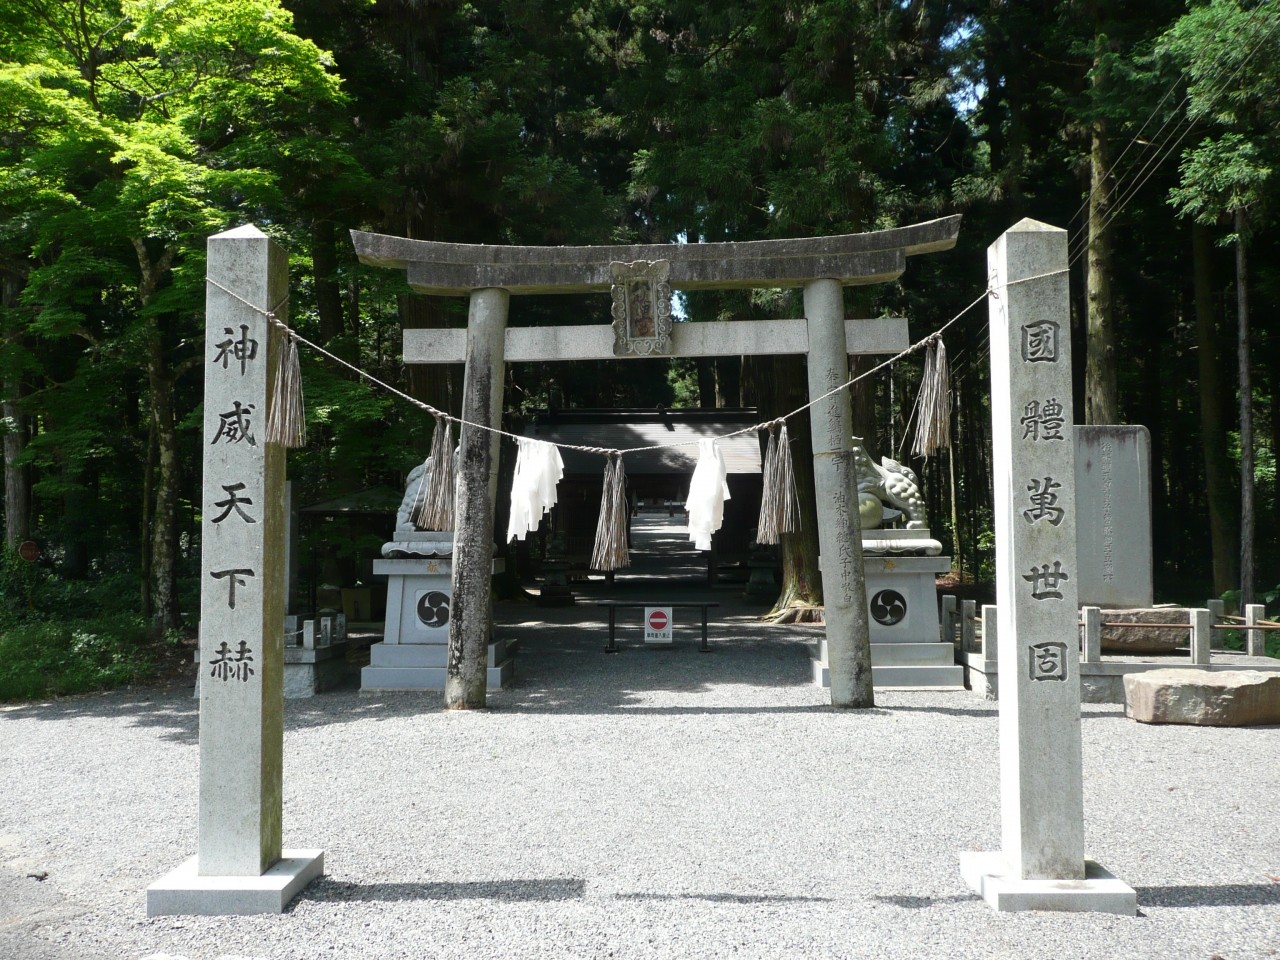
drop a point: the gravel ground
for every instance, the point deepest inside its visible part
(658, 803)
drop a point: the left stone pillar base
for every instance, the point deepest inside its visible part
(183, 891)
(990, 876)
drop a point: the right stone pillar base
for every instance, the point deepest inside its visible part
(989, 875)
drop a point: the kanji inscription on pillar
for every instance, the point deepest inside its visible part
(242, 541)
(1036, 592)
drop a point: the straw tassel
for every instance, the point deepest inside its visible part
(933, 403)
(287, 419)
(433, 507)
(610, 552)
(779, 502)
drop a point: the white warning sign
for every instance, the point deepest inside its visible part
(657, 625)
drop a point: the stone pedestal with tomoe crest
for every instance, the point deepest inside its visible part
(900, 563)
(240, 866)
(414, 651)
(1042, 864)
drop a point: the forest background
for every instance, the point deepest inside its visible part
(131, 131)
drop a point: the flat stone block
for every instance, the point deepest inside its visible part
(1218, 698)
(379, 679)
(931, 654)
(1138, 640)
(912, 655)
(408, 654)
(951, 677)
(183, 891)
(901, 677)
(429, 654)
(302, 680)
(335, 651)
(989, 875)
(414, 567)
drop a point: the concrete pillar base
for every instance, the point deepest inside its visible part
(989, 875)
(183, 891)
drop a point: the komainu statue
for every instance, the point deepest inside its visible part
(894, 485)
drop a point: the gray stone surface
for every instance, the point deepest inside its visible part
(902, 597)
(242, 596)
(1034, 475)
(1235, 698)
(1255, 640)
(1113, 516)
(721, 338)
(185, 891)
(414, 651)
(1136, 640)
(459, 268)
(901, 666)
(839, 533)
(419, 599)
(988, 667)
(308, 672)
(1103, 681)
(470, 616)
(1097, 892)
(901, 542)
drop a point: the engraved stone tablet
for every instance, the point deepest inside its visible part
(641, 308)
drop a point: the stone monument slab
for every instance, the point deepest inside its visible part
(1113, 516)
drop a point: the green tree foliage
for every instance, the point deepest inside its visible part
(138, 129)
(130, 130)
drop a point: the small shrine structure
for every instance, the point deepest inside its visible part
(640, 279)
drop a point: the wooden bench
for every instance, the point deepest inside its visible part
(615, 605)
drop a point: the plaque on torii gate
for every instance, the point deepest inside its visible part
(490, 274)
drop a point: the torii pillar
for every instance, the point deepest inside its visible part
(822, 266)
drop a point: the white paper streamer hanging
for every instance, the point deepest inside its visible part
(708, 490)
(539, 468)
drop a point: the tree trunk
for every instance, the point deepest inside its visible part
(1213, 421)
(324, 265)
(165, 614)
(706, 382)
(1246, 414)
(438, 384)
(164, 554)
(862, 397)
(780, 387)
(17, 478)
(144, 537)
(728, 382)
(1273, 352)
(1101, 404)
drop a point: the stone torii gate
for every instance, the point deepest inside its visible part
(640, 278)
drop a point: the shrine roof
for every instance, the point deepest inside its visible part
(622, 429)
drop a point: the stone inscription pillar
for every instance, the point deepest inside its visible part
(1041, 792)
(470, 618)
(844, 588)
(240, 866)
(1034, 461)
(242, 587)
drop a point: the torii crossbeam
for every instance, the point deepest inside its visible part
(490, 274)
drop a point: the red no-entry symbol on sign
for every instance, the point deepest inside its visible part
(657, 624)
